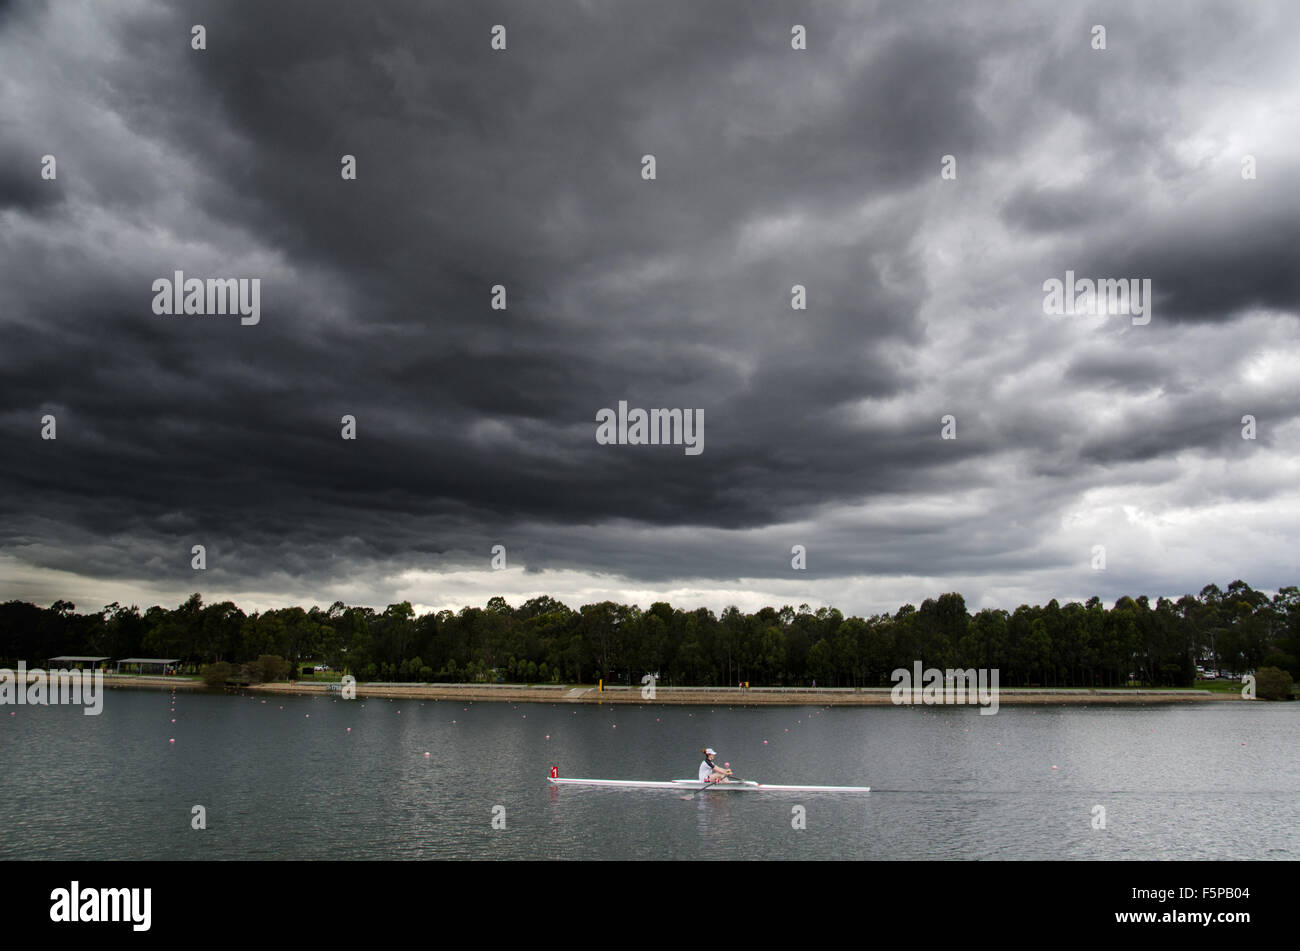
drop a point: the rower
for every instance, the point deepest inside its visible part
(710, 772)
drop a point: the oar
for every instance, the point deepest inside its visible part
(741, 779)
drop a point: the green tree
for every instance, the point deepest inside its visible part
(1271, 683)
(270, 667)
(216, 675)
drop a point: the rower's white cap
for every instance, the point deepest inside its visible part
(711, 752)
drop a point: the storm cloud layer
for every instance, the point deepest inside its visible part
(523, 167)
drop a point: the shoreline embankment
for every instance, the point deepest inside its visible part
(734, 696)
(146, 680)
(697, 696)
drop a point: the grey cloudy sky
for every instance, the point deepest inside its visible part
(522, 167)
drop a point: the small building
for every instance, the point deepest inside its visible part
(75, 662)
(156, 665)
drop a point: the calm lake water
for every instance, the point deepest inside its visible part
(284, 779)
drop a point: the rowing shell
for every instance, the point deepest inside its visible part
(692, 784)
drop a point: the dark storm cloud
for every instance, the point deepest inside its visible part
(1126, 370)
(1051, 210)
(1226, 265)
(522, 168)
(20, 190)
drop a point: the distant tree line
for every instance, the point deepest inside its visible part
(544, 641)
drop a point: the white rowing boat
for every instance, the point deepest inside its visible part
(692, 785)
